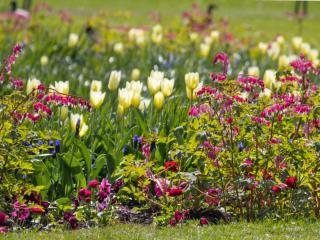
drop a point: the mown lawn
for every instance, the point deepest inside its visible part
(246, 17)
(267, 230)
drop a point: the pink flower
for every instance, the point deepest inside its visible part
(173, 192)
(3, 229)
(291, 182)
(275, 189)
(172, 166)
(203, 221)
(3, 218)
(193, 112)
(105, 186)
(178, 216)
(172, 222)
(247, 163)
(37, 210)
(93, 183)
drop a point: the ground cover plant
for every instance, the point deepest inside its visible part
(169, 125)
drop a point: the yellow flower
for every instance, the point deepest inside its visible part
(63, 113)
(144, 104)
(154, 81)
(280, 40)
(269, 78)
(215, 36)
(96, 99)
(313, 55)
(283, 61)
(191, 80)
(118, 48)
(156, 35)
(135, 74)
(135, 87)
(204, 49)
(254, 71)
(137, 36)
(62, 87)
(74, 120)
(96, 86)
(114, 80)
(44, 60)
(125, 97)
(83, 130)
(305, 48)
(167, 87)
(120, 111)
(274, 50)
(266, 94)
(158, 100)
(73, 40)
(32, 84)
(263, 47)
(296, 42)
(194, 37)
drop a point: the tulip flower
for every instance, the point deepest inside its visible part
(254, 71)
(191, 80)
(135, 74)
(73, 40)
(266, 94)
(118, 48)
(263, 47)
(96, 86)
(305, 48)
(283, 61)
(154, 81)
(63, 113)
(167, 87)
(120, 111)
(125, 97)
(280, 40)
(204, 50)
(269, 78)
(156, 35)
(274, 50)
(215, 36)
(135, 87)
(158, 100)
(62, 87)
(296, 42)
(144, 104)
(32, 84)
(96, 99)
(44, 60)
(76, 121)
(194, 37)
(114, 80)
(137, 36)
(313, 55)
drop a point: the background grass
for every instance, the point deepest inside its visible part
(266, 230)
(246, 17)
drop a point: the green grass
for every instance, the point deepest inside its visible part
(266, 230)
(246, 17)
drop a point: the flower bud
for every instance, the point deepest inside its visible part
(283, 62)
(44, 60)
(191, 80)
(269, 78)
(135, 74)
(32, 84)
(114, 80)
(118, 48)
(73, 40)
(204, 50)
(158, 100)
(167, 87)
(154, 81)
(62, 87)
(254, 71)
(63, 113)
(296, 43)
(96, 86)
(96, 99)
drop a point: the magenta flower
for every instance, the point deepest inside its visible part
(93, 183)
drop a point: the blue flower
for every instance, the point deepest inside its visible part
(125, 150)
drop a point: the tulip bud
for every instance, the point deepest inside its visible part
(120, 111)
(167, 87)
(114, 80)
(32, 84)
(125, 98)
(254, 71)
(135, 101)
(158, 100)
(263, 47)
(63, 113)
(96, 86)
(154, 81)
(191, 94)
(144, 104)
(305, 48)
(191, 80)
(73, 40)
(44, 60)
(135, 74)
(83, 130)
(74, 118)
(96, 99)
(274, 50)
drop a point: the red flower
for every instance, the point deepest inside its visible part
(291, 182)
(275, 189)
(3, 229)
(173, 192)
(37, 210)
(178, 216)
(3, 218)
(203, 221)
(171, 165)
(172, 222)
(93, 183)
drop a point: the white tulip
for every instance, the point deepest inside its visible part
(114, 80)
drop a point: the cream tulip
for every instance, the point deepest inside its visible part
(263, 47)
(118, 48)
(63, 113)
(296, 42)
(83, 130)
(96, 86)
(120, 111)
(192, 80)
(215, 35)
(204, 50)
(114, 80)
(62, 87)
(194, 37)
(167, 87)
(144, 104)
(158, 100)
(283, 61)
(154, 81)
(44, 60)
(32, 84)
(96, 99)
(269, 78)
(74, 118)
(254, 71)
(125, 97)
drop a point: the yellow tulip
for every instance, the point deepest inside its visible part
(32, 84)
(167, 87)
(62, 87)
(204, 50)
(154, 81)
(158, 100)
(63, 113)
(83, 127)
(254, 71)
(44, 60)
(192, 80)
(125, 97)
(96, 86)
(83, 130)
(215, 36)
(283, 61)
(269, 78)
(120, 111)
(96, 99)
(118, 48)
(73, 40)
(263, 47)
(296, 42)
(144, 104)
(114, 80)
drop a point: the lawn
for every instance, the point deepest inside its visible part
(266, 230)
(263, 18)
